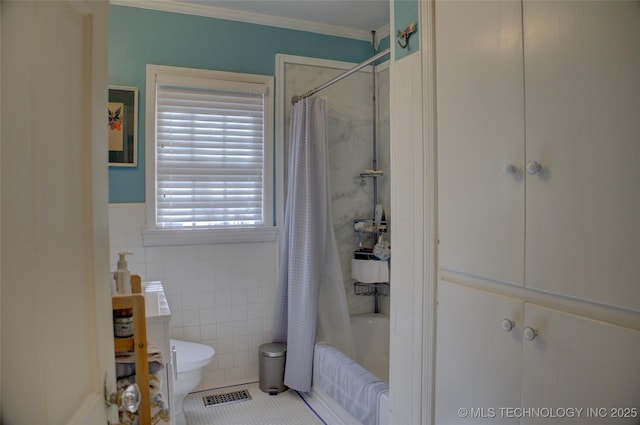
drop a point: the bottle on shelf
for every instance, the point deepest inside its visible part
(122, 276)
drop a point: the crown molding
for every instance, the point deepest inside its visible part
(381, 33)
(250, 17)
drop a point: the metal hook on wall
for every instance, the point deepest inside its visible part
(406, 33)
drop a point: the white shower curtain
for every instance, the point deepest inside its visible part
(311, 302)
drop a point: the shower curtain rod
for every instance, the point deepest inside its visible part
(311, 92)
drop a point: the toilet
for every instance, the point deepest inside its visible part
(191, 359)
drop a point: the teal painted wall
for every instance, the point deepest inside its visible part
(384, 44)
(406, 12)
(138, 37)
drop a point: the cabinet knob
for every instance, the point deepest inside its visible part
(510, 169)
(529, 333)
(507, 325)
(533, 167)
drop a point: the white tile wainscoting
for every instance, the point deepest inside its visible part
(222, 295)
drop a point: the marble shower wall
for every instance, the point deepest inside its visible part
(350, 117)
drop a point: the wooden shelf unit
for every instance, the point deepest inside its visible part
(137, 343)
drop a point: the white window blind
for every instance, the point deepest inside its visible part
(210, 156)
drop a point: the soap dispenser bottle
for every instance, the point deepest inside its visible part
(122, 276)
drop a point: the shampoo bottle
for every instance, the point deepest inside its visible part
(122, 275)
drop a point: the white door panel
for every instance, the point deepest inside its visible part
(582, 62)
(56, 334)
(576, 362)
(477, 360)
(480, 104)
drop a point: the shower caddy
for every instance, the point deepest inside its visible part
(375, 289)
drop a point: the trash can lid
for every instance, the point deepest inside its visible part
(273, 349)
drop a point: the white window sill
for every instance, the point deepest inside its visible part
(166, 237)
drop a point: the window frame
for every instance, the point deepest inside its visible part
(153, 235)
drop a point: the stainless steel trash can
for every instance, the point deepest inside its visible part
(271, 367)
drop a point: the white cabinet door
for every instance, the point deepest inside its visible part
(477, 362)
(576, 362)
(480, 104)
(582, 62)
(574, 370)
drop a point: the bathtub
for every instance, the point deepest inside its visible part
(371, 341)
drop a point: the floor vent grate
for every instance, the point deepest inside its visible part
(226, 398)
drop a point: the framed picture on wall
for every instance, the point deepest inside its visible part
(123, 126)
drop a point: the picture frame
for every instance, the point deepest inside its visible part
(123, 126)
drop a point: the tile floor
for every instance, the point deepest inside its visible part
(287, 408)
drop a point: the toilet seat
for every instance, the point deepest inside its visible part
(192, 356)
